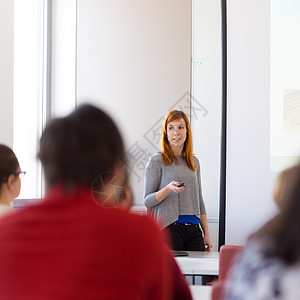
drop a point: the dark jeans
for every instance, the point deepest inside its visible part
(187, 237)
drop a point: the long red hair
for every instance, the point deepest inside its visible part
(187, 151)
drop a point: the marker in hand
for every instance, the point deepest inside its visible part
(180, 185)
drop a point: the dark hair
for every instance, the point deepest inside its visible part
(75, 150)
(9, 163)
(282, 231)
(283, 185)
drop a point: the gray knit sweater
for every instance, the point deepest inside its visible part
(188, 202)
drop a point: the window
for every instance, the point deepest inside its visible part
(31, 76)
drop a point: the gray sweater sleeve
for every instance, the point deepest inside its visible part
(152, 182)
(201, 202)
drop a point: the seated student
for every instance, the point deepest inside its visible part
(70, 246)
(10, 183)
(269, 268)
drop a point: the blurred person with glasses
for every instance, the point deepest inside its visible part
(10, 183)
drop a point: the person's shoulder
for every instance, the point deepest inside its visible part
(156, 158)
(195, 158)
(196, 161)
(9, 221)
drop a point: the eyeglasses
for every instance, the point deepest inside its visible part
(20, 173)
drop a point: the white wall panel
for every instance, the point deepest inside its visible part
(249, 180)
(6, 72)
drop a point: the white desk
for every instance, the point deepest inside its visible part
(201, 292)
(199, 263)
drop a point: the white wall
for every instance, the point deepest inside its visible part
(6, 72)
(207, 91)
(133, 59)
(63, 57)
(249, 180)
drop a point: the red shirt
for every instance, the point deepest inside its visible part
(69, 247)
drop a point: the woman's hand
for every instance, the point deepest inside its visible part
(207, 243)
(173, 186)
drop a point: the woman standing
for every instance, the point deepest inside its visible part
(10, 183)
(172, 191)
